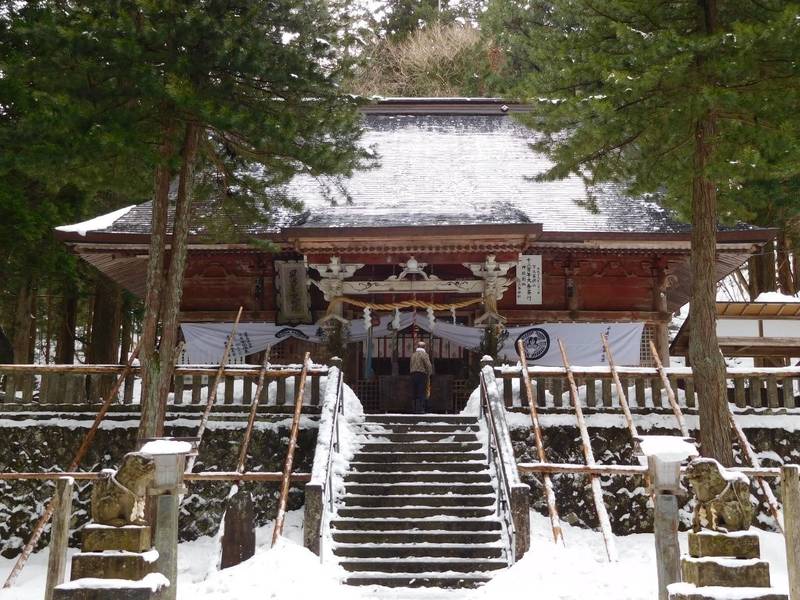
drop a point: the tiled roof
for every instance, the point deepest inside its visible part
(449, 169)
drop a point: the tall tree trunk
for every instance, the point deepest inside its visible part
(104, 343)
(155, 280)
(768, 281)
(65, 338)
(126, 330)
(23, 318)
(785, 278)
(708, 365)
(152, 424)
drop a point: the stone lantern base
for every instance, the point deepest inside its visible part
(724, 566)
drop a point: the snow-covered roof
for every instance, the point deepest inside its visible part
(469, 165)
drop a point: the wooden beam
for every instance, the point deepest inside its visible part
(524, 316)
(597, 490)
(625, 470)
(550, 496)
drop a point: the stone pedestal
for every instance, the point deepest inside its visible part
(149, 588)
(131, 538)
(724, 566)
(113, 564)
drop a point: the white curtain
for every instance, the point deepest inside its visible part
(205, 342)
(582, 343)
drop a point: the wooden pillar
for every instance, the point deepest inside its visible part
(59, 536)
(239, 534)
(665, 480)
(660, 285)
(790, 492)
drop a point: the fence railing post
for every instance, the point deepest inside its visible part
(59, 536)
(790, 491)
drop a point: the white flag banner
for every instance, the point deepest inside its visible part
(205, 342)
(581, 341)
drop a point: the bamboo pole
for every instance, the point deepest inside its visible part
(673, 402)
(597, 491)
(621, 394)
(747, 450)
(248, 432)
(287, 467)
(229, 370)
(550, 496)
(627, 470)
(38, 529)
(200, 476)
(212, 392)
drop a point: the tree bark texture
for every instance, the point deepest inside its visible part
(65, 339)
(785, 277)
(160, 367)
(104, 344)
(23, 321)
(155, 282)
(708, 365)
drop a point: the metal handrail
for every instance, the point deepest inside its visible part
(333, 446)
(495, 451)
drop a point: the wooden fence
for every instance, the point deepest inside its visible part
(756, 388)
(84, 384)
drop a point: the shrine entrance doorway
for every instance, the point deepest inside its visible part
(383, 381)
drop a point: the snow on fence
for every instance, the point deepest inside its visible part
(755, 388)
(87, 384)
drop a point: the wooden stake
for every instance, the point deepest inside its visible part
(38, 529)
(550, 496)
(212, 392)
(747, 450)
(673, 402)
(790, 480)
(287, 467)
(248, 432)
(597, 491)
(621, 394)
(59, 536)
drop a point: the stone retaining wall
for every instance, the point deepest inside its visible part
(775, 438)
(40, 441)
(48, 441)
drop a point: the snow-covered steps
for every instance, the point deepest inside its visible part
(453, 580)
(402, 477)
(419, 505)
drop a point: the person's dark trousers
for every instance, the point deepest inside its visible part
(420, 384)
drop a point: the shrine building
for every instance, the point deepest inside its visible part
(448, 234)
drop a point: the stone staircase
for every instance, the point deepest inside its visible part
(419, 508)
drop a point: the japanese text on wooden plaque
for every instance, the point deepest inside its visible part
(529, 279)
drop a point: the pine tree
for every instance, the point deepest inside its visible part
(224, 99)
(687, 100)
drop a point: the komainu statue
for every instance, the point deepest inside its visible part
(724, 496)
(118, 496)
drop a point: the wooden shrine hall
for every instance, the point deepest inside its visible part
(450, 224)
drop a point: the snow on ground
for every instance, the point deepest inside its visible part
(575, 571)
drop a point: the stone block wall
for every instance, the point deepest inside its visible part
(45, 443)
(627, 499)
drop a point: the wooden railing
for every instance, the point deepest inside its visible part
(319, 492)
(756, 388)
(513, 496)
(86, 384)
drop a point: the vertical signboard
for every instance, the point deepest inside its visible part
(529, 279)
(293, 299)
